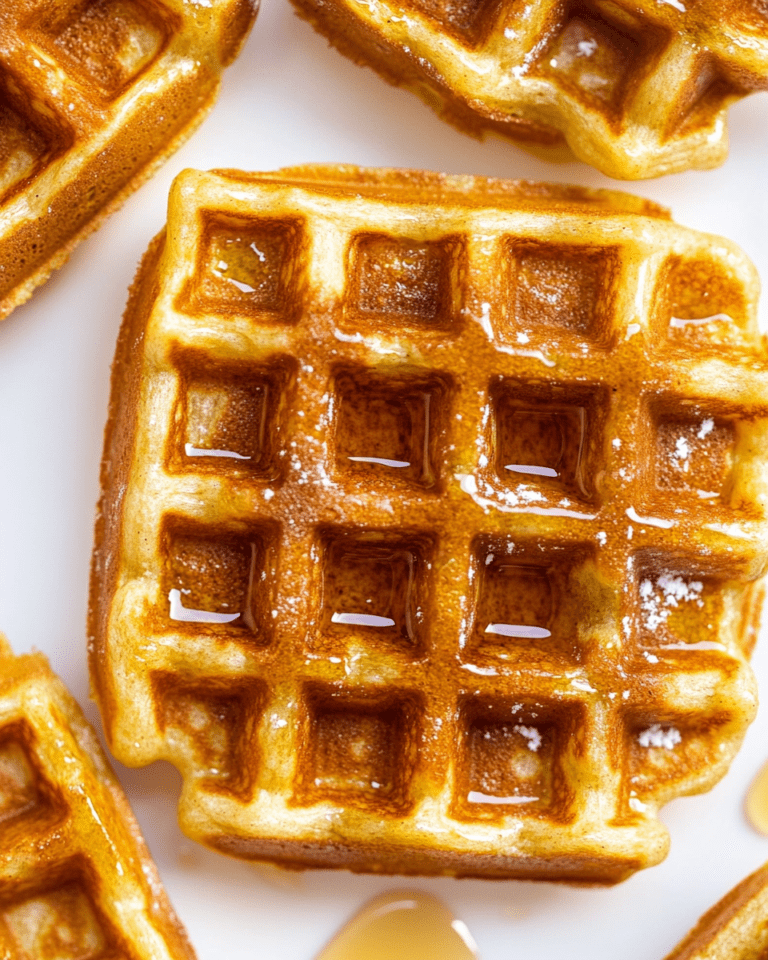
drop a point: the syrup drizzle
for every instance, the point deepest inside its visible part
(756, 803)
(402, 925)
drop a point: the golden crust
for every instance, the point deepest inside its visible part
(432, 521)
(93, 98)
(636, 88)
(75, 872)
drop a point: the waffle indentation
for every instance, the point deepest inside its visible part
(109, 41)
(694, 455)
(469, 21)
(389, 427)
(216, 724)
(362, 750)
(679, 607)
(524, 607)
(250, 266)
(548, 437)
(61, 924)
(375, 590)
(218, 582)
(23, 148)
(702, 303)
(397, 281)
(511, 761)
(230, 417)
(665, 751)
(597, 61)
(18, 783)
(565, 290)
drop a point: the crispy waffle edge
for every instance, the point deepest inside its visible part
(536, 121)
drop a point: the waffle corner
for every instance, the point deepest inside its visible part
(94, 97)
(75, 874)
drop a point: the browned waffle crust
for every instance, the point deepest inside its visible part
(637, 88)
(76, 879)
(735, 928)
(432, 521)
(94, 95)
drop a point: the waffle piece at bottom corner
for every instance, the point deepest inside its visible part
(735, 928)
(635, 89)
(76, 879)
(433, 519)
(94, 96)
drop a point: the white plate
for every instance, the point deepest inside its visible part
(290, 99)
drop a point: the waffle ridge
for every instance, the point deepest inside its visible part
(94, 96)
(76, 879)
(328, 585)
(636, 88)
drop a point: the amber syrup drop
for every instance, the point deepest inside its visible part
(402, 925)
(756, 804)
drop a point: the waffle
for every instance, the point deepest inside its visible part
(76, 880)
(637, 88)
(432, 520)
(735, 928)
(94, 95)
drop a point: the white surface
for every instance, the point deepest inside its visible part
(290, 99)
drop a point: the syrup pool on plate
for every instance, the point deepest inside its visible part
(756, 803)
(402, 925)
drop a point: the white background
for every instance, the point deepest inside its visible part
(290, 99)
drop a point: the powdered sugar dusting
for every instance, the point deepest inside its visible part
(658, 600)
(531, 734)
(658, 736)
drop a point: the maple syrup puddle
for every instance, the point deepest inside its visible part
(756, 803)
(402, 925)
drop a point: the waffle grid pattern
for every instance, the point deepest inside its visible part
(520, 688)
(92, 96)
(637, 88)
(75, 877)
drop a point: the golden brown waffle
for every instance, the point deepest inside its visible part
(94, 95)
(735, 928)
(637, 88)
(433, 511)
(76, 880)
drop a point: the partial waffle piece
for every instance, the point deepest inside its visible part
(76, 880)
(433, 513)
(637, 88)
(94, 95)
(735, 928)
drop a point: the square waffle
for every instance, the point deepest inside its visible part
(94, 96)
(735, 928)
(433, 519)
(76, 880)
(637, 88)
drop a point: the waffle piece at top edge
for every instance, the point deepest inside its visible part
(94, 95)
(636, 88)
(76, 879)
(735, 928)
(432, 520)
